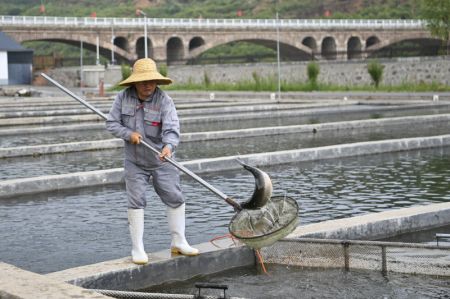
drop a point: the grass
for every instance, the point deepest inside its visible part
(270, 84)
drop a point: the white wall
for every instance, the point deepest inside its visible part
(3, 68)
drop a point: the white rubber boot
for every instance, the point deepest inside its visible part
(136, 225)
(175, 217)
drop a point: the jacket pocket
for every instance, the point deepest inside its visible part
(128, 112)
(152, 123)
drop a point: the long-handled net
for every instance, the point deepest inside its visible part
(260, 222)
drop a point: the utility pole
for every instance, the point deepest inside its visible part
(140, 12)
(278, 59)
(112, 44)
(81, 64)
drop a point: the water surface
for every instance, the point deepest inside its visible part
(290, 282)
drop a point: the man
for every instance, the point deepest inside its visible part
(144, 112)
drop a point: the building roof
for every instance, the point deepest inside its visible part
(10, 45)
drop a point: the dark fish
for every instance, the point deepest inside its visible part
(263, 188)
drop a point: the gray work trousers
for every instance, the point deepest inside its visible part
(165, 180)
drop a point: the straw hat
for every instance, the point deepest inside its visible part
(145, 70)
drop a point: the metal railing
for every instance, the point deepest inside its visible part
(212, 23)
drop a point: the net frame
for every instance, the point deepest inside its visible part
(286, 210)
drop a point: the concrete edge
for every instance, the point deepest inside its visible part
(332, 126)
(51, 129)
(16, 283)
(227, 134)
(69, 147)
(163, 267)
(60, 182)
(59, 119)
(193, 119)
(318, 153)
(378, 225)
(9, 188)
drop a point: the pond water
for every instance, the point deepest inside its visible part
(290, 282)
(47, 232)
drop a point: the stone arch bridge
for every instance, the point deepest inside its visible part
(178, 40)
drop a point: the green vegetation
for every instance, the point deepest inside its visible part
(236, 52)
(375, 70)
(288, 9)
(313, 70)
(126, 71)
(270, 85)
(437, 15)
(162, 68)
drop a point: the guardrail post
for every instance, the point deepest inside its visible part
(383, 260)
(346, 246)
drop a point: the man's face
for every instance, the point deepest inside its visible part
(145, 89)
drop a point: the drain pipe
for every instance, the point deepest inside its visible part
(142, 295)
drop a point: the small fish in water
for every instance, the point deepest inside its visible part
(263, 188)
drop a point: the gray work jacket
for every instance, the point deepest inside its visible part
(155, 119)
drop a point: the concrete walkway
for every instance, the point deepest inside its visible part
(16, 283)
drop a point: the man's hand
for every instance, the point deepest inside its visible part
(166, 152)
(135, 138)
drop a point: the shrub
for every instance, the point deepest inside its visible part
(313, 71)
(126, 71)
(375, 70)
(257, 80)
(206, 79)
(163, 70)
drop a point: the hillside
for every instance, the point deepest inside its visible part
(288, 9)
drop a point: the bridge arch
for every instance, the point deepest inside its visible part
(287, 50)
(372, 40)
(416, 46)
(196, 42)
(310, 42)
(121, 42)
(174, 50)
(329, 48)
(140, 47)
(354, 48)
(89, 44)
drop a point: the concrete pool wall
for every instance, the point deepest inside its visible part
(15, 187)
(44, 149)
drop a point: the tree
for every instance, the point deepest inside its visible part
(437, 15)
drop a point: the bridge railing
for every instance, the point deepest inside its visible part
(212, 23)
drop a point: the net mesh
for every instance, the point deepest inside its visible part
(262, 227)
(370, 255)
